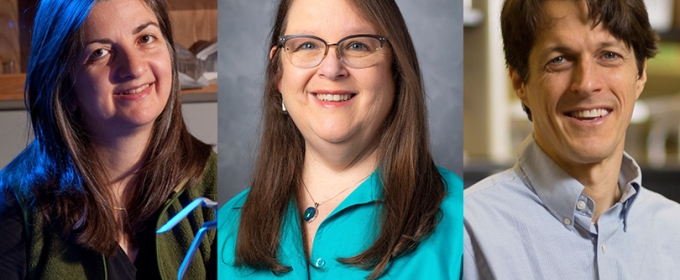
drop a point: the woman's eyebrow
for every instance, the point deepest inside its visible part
(144, 26)
(139, 28)
(101, 41)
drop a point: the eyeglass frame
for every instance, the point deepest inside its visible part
(283, 39)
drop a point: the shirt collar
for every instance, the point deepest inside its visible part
(630, 180)
(242, 200)
(559, 191)
(369, 191)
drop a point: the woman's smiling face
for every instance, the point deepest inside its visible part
(124, 75)
(333, 102)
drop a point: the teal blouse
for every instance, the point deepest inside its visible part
(349, 230)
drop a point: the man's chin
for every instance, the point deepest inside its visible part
(571, 154)
(587, 154)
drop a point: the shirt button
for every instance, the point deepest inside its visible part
(567, 221)
(604, 248)
(581, 205)
(319, 263)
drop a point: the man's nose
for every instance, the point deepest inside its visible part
(586, 77)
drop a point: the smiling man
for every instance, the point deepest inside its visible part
(573, 206)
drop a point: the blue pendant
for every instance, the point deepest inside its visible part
(310, 214)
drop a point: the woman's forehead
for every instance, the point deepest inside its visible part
(118, 16)
(338, 17)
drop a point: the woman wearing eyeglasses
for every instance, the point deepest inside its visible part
(344, 186)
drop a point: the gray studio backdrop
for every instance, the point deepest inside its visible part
(436, 27)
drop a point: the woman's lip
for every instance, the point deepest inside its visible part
(333, 92)
(333, 99)
(139, 92)
(134, 89)
(333, 95)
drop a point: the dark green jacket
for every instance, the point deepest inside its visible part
(50, 257)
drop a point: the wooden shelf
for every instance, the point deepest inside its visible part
(206, 94)
(193, 21)
(12, 87)
(12, 92)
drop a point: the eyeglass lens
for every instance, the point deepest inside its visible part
(356, 52)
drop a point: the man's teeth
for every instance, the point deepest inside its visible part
(333, 97)
(137, 90)
(594, 113)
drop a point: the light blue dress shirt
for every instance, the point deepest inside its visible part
(348, 231)
(534, 222)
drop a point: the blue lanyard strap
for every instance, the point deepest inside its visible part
(201, 201)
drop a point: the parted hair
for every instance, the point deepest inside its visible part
(60, 173)
(626, 20)
(412, 187)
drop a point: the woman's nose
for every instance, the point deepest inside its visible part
(131, 64)
(332, 66)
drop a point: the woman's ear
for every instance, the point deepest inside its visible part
(272, 52)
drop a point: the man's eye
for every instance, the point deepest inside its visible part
(610, 55)
(558, 63)
(557, 60)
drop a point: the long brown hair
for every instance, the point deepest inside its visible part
(61, 172)
(412, 186)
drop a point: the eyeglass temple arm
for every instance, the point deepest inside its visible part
(201, 201)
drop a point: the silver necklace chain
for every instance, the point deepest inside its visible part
(342, 191)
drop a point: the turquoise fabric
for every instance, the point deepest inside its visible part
(348, 231)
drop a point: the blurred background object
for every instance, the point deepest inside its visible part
(495, 124)
(197, 65)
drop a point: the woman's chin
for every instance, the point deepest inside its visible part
(352, 138)
(335, 138)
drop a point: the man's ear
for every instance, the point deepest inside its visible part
(518, 84)
(641, 80)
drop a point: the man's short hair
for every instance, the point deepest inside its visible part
(626, 20)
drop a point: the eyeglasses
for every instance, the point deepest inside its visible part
(357, 51)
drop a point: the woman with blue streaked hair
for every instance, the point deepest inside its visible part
(112, 159)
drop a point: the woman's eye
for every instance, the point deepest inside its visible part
(307, 46)
(98, 53)
(147, 39)
(356, 46)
